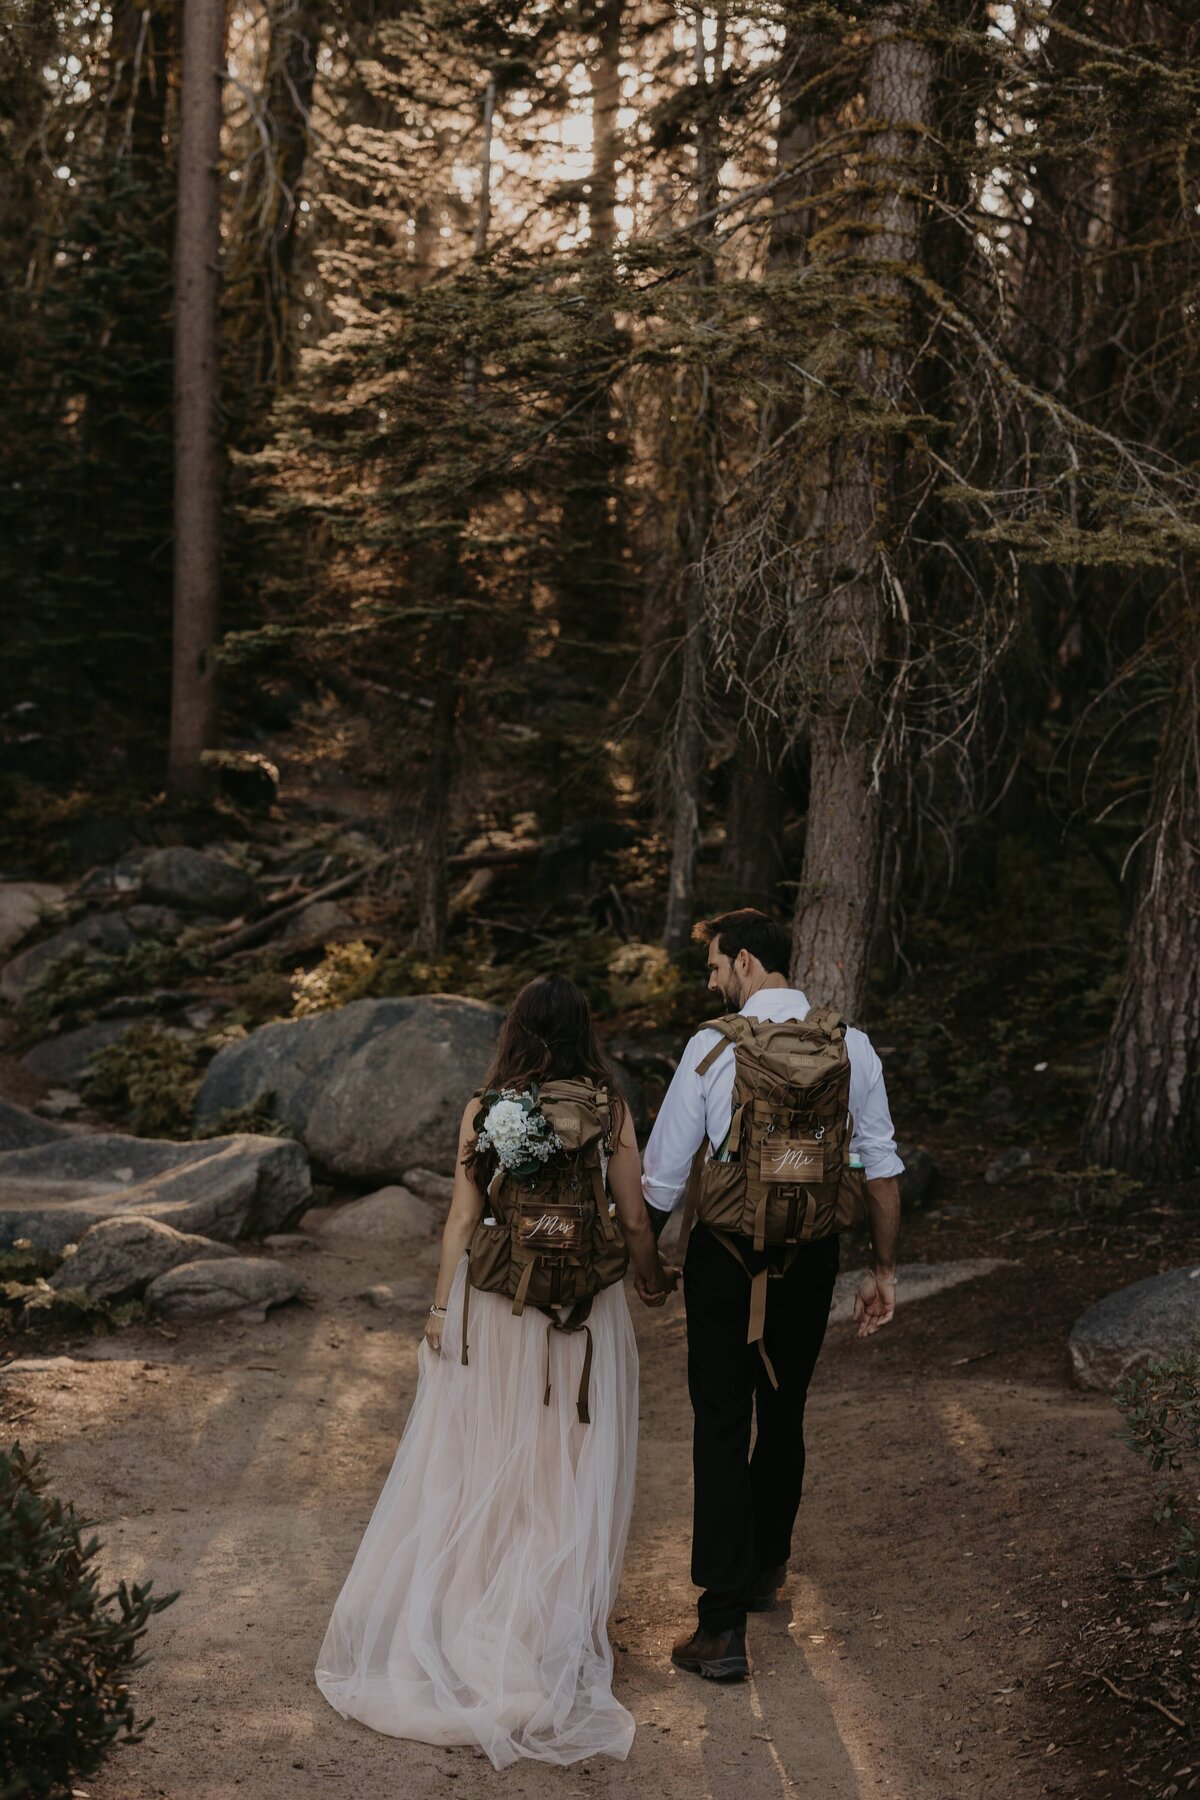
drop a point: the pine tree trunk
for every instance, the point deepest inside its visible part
(753, 855)
(837, 903)
(688, 753)
(433, 827)
(291, 73)
(1145, 1117)
(197, 378)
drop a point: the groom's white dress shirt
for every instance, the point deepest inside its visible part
(701, 1106)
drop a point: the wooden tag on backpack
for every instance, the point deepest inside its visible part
(792, 1160)
(550, 1226)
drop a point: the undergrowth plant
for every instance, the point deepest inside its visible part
(1161, 1404)
(67, 1647)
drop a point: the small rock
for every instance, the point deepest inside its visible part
(247, 778)
(244, 1285)
(64, 1059)
(192, 879)
(1142, 1322)
(391, 1215)
(921, 1174)
(37, 1365)
(381, 1295)
(427, 1184)
(58, 1102)
(154, 921)
(20, 1130)
(1009, 1163)
(103, 934)
(310, 928)
(23, 906)
(118, 1258)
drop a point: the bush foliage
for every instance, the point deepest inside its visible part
(66, 1647)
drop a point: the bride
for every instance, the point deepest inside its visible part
(475, 1611)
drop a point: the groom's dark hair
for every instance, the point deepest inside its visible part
(751, 930)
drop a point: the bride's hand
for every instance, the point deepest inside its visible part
(433, 1330)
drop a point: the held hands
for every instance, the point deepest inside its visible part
(874, 1303)
(655, 1293)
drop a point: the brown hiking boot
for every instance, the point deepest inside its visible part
(764, 1589)
(718, 1655)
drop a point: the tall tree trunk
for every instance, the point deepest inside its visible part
(589, 573)
(197, 374)
(291, 73)
(433, 826)
(688, 753)
(837, 903)
(1145, 1117)
(135, 103)
(753, 856)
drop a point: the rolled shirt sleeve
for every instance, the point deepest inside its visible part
(679, 1129)
(873, 1137)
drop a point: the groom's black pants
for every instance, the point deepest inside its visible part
(745, 1505)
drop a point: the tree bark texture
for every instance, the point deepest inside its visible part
(291, 73)
(433, 826)
(1145, 1117)
(591, 572)
(837, 902)
(197, 377)
(689, 749)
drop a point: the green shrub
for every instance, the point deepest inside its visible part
(66, 1648)
(1161, 1404)
(81, 978)
(147, 1079)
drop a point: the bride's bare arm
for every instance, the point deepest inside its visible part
(625, 1185)
(466, 1208)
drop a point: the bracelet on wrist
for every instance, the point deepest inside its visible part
(436, 1309)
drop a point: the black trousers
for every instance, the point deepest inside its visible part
(745, 1506)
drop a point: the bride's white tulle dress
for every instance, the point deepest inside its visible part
(475, 1611)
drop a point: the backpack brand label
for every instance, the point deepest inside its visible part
(792, 1160)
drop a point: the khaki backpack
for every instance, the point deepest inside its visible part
(783, 1175)
(554, 1240)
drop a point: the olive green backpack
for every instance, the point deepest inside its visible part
(554, 1239)
(783, 1175)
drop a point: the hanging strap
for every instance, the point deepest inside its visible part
(758, 1298)
(691, 1201)
(574, 1321)
(466, 1308)
(519, 1297)
(608, 1222)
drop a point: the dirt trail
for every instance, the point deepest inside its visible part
(949, 1508)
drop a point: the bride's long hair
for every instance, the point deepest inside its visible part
(549, 1035)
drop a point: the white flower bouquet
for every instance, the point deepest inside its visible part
(516, 1130)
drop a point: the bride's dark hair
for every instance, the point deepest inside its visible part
(549, 1036)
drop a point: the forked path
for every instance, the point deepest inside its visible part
(945, 1512)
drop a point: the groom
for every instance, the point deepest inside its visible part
(745, 1506)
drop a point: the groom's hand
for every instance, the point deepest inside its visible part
(656, 1296)
(874, 1303)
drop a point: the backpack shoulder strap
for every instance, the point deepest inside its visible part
(734, 1029)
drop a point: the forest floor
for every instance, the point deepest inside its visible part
(955, 1569)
